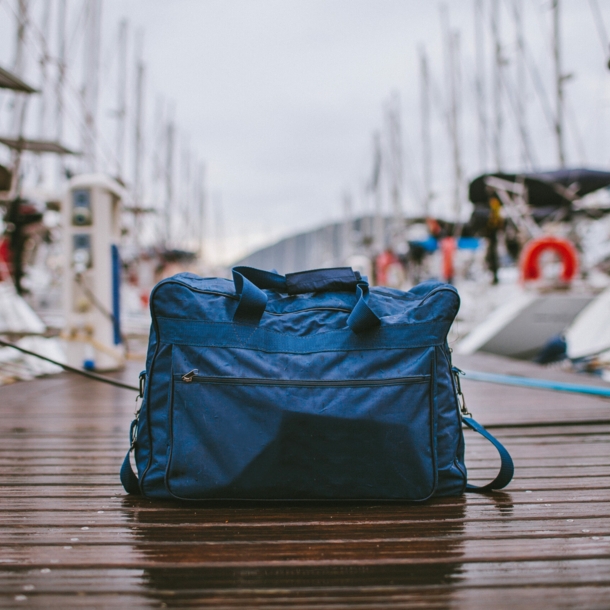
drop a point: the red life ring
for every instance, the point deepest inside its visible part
(530, 267)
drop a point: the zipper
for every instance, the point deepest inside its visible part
(286, 313)
(306, 383)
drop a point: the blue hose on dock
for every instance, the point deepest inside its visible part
(540, 384)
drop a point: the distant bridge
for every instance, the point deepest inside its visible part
(329, 246)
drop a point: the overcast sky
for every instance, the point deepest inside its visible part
(280, 98)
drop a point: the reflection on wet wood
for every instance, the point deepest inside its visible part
(70, 537)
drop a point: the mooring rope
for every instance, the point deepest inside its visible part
(512, 380)
(539, 384)
(73, 369)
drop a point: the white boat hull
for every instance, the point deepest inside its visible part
(521, 327)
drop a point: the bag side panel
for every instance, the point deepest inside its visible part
(152, 446)
(153, 422)
(450, 438)
(438, 306)
(142, 444)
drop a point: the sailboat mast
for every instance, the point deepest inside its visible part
(452, 71)
(559, 78)
(61, 78)
(19, 65)
(480, 82)
(20, 100)
(201, 215)
(527, 152)
(44, 63)
(219, 237)
(121, 113)
(497, 86)
(22, 24)
(425, 132)
(137, 161)
(520, 90)
(346, 237)
(185, 201)
(395, 164)
(455, 123)
(169, 183)
(91, 66)
(379, 225)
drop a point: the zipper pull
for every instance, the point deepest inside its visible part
(188, 377)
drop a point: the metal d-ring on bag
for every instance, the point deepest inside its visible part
(308, 386)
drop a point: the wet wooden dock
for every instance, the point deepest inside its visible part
(70, 537)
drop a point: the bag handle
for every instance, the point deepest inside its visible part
(315, 280)
(250, 283)
(507, 468)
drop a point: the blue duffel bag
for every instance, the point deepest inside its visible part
(303, 387)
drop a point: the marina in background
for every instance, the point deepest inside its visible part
(474, 172)
(89, 230)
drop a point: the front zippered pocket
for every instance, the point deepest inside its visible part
(192, 376)
(258, 438)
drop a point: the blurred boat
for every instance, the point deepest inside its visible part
(589, 333)
(524, 325)
(542, 219)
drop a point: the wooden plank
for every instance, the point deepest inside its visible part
(517, 496)
(274, 512)
(482, 574)
(420, 597)
(99, 472)
(546, 540)
(29, 534)
(555, 598)
(271, 553)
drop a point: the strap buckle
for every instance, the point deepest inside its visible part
(142, 382)
(133, 433)
(458, 388)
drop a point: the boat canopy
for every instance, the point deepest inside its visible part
(554, 189)
(8, 80)
(37, 146)
(5, 178)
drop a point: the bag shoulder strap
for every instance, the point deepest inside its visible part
(507, 468)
